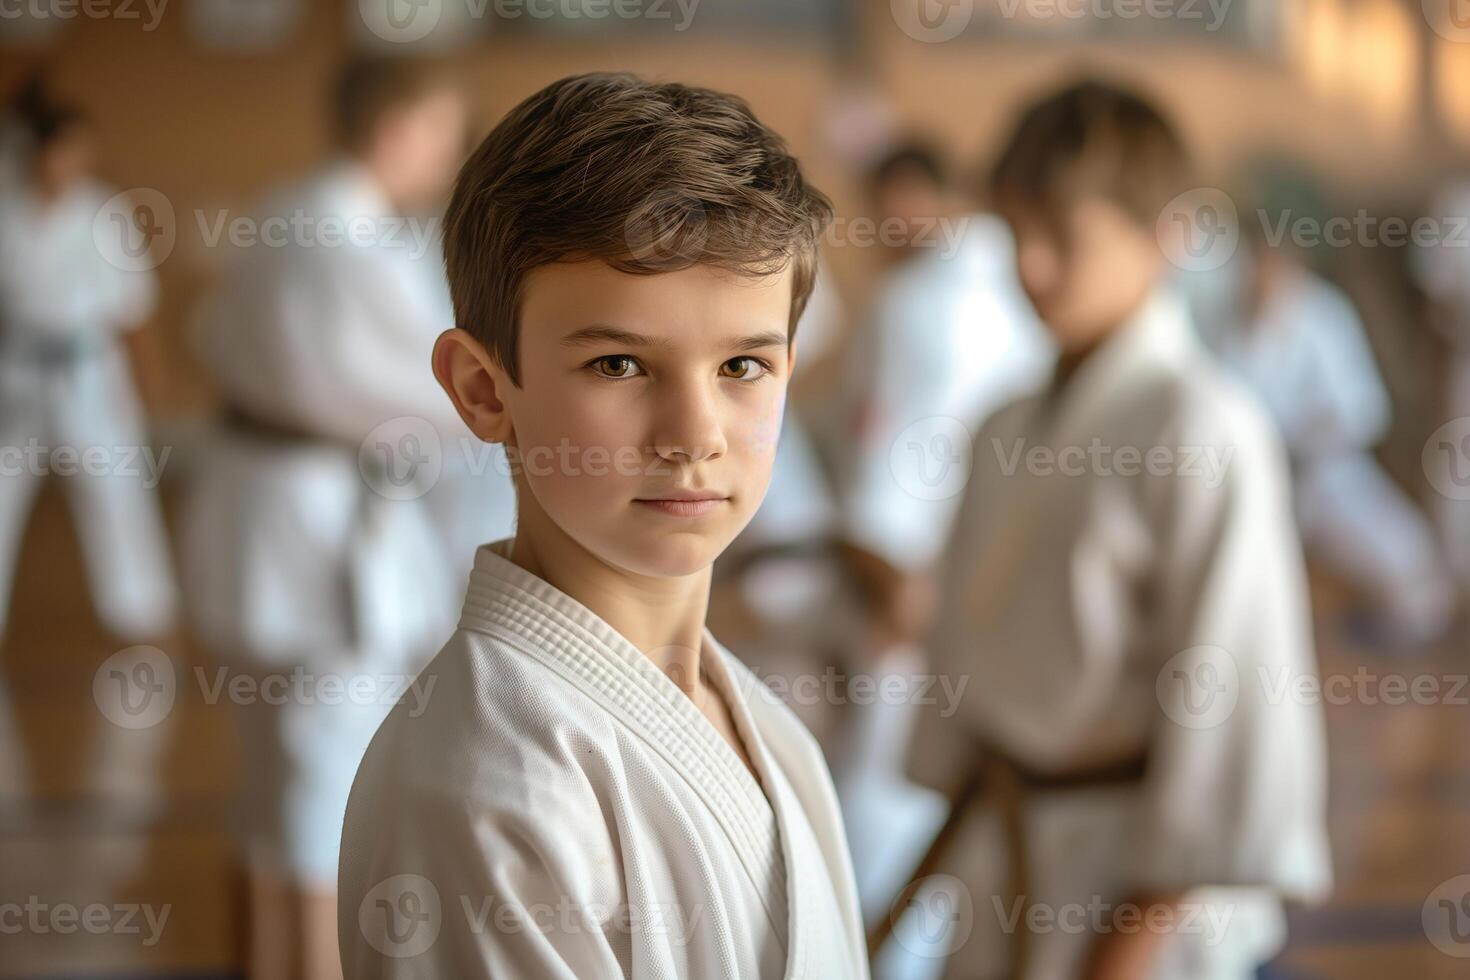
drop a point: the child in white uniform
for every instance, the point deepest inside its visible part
(596, 788)
(68, 297)
(1123, 587)
(304, 558)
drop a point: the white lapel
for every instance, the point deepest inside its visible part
(523, 611)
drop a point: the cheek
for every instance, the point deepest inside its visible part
(762, 431)
(571, 450)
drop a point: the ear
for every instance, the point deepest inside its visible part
(475, 383)
(791, 359)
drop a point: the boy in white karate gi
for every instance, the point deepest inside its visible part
(1125, 591)
(70, 305)
(304, 558)
(1298, 343)
(595, 787)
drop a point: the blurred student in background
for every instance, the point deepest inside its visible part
(70, 306)
(74, 291)
(315, 538)
(947, 337)
(1298, 343)
(1123, 568)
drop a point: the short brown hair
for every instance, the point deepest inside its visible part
(647, 177)
(1092, 138)
(367, 86)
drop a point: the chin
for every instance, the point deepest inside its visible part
(673, 554)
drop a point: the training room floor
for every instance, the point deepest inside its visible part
(131, 822)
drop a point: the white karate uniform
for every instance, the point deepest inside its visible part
(948, 337)
(1068, 592)
(295, 558)
(1444, 272)
(65, 385)
(554, 806)
(1305, 355)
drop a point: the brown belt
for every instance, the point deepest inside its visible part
(1004, 783)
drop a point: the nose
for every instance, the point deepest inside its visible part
(690, 430)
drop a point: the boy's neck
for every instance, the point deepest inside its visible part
(663, 617)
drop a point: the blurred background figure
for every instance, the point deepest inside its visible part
(313, 539)
(1299, 344)
(947, 336)
(68, 315)
(72, 302)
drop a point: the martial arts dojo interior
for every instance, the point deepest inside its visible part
(116, 853)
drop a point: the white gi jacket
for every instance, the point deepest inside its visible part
(1077, 598)
(559, 808)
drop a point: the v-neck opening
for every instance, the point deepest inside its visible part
(536, 618)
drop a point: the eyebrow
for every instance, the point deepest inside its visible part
(602, 333)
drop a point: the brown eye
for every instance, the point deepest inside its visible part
(743, 368)
(616, 366)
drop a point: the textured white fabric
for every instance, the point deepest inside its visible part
(1070, 589)
(566, 811)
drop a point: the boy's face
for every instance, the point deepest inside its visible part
(636, 390)
(1086, 268)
